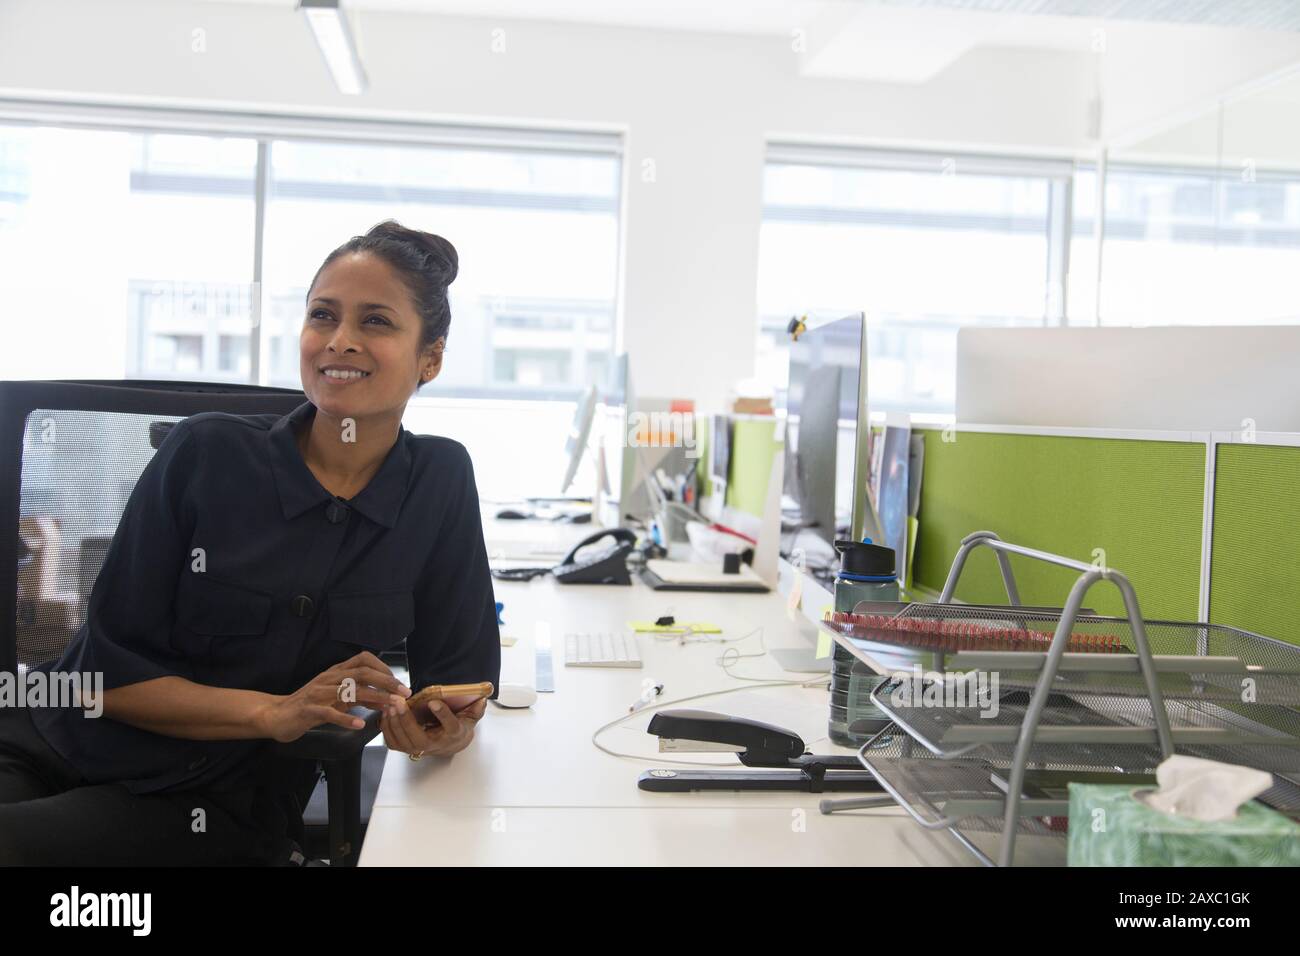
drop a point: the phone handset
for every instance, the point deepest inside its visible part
(607, 566)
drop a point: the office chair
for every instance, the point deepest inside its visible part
(70, 455)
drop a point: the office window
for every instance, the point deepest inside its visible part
(138, 246)
(1188, 247)
(112, 243)
(15, 174)
(536, 343)
(924, 249)
(537, 236)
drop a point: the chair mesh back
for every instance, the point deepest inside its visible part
(78, 470)
(71, 453)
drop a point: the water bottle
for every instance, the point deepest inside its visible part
(866, 574)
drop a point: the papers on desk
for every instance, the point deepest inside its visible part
(700, 576)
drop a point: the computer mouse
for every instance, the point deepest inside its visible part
(515, 695)
(510, 514)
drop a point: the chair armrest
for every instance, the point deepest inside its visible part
(330, 741)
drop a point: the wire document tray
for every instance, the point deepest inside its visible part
(995, 710)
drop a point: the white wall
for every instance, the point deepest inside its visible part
(698, 106)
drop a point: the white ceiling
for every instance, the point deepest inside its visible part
(899, 41)
(1034, 22)
(743, 17)
(1176, 54)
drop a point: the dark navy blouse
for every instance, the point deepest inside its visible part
(233, 566)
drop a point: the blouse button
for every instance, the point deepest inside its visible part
(302, 606)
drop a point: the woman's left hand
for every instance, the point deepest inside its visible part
(451, 734)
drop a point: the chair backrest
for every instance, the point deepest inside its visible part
(70, 455)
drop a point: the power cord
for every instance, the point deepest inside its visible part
(641, 758)
(726, 661)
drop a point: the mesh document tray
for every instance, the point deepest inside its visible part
(1073, 732)
(1093, 719)
(965, 796)
(1066, 696)
(944, 636)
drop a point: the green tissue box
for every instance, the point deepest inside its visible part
(1111, 827)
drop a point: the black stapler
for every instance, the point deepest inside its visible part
(779, 756)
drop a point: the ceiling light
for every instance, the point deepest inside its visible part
(334, 37)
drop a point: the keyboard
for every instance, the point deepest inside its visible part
(533, 549)
(601, 649)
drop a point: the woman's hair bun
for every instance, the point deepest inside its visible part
(441, 254)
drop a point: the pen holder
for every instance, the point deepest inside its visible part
(673, 519)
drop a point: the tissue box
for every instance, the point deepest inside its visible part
(1126, 832)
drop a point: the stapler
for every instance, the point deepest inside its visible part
(779, 757)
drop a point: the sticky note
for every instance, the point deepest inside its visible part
(681, 627)
(795, 600)
(825, 642)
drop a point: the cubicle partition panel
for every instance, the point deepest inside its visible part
(1255, 559)
(753, 443)
(1135, 501)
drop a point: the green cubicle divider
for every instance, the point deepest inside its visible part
(1255, 560)
(1141, 501)
(753, 442)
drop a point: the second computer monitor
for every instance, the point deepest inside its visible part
(575, 445)
(827, 427)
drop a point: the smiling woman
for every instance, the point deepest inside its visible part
(376, 326)
(329, 536)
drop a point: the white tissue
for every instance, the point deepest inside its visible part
(1205, 789)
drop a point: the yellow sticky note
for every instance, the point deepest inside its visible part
(508, 640)
(824, 641)
(681, 627)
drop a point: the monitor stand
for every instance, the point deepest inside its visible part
(803, 660)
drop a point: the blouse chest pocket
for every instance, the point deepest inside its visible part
(216, 608)
(374, 620)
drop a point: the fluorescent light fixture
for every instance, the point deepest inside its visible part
(334, 37)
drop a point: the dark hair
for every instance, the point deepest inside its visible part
(426, 263)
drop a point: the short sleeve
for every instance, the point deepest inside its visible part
(129, 618)
(456, 639)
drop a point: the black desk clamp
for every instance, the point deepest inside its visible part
(787, 765)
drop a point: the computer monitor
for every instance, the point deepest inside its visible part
(827, 429)
(719, 453)
(575, 446)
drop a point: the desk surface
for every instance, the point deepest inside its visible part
(533, 789)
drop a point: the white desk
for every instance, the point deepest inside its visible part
(532, 789)
(530, 533)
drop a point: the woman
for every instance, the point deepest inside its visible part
(259, 569)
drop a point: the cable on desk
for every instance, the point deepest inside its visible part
(820, 679)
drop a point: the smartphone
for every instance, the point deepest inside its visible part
(455, 696)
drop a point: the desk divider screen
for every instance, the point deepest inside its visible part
(1141, 501)
(1255, 562)
(753, 441)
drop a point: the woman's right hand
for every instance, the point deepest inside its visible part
(363, 679)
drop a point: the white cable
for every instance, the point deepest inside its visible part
(681, 700)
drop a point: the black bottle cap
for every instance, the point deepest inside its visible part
(865, 558)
